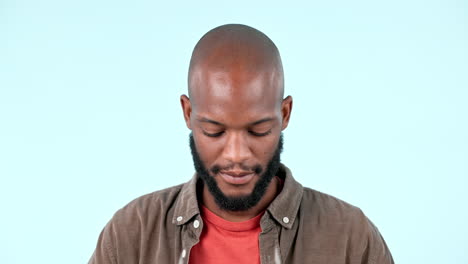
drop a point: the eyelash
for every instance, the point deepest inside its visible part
(260, 134)
(251, 132)
(213, 135)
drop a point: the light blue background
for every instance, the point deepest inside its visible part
(90, 116)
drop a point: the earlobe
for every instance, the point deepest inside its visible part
(286, 108)
(186, 109)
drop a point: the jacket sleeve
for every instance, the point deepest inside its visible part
(377, 251)
(104, 252)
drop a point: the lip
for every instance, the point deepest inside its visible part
(237, 178)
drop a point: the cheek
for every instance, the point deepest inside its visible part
(208, 149)
(264, 148)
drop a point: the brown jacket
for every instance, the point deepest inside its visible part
(300, 226)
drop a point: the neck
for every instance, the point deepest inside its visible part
(239, 216)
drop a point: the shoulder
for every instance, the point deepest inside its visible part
(347, 223)
(133, 228)
(334, 213)
(121, 237)
(141, 215)
(325, 203)
(151, 205)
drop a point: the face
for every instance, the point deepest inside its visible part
(236, 121)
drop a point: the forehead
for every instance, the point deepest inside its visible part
(235, 95)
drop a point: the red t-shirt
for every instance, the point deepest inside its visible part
(227, 242)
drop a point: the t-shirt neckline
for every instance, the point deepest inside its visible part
(247, 225)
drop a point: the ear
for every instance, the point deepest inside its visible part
(186, 109)
(286, 108)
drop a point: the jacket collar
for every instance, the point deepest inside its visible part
(187, 203)
(283, 208)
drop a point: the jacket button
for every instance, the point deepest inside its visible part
(196, 223)
(285, 220)
(179, 218)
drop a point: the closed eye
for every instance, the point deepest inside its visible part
(260, 134)
(213, 134)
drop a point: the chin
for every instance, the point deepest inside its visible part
(237, 194)
(236, 191)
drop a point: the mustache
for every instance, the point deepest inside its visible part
(257, 169)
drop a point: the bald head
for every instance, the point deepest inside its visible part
(235, 55)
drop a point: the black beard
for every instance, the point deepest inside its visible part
(239, 203)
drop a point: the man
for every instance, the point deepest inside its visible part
(242, 205)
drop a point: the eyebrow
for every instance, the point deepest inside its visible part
(206, 120)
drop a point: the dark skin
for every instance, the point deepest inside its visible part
(236, 110)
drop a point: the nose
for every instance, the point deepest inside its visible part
(236, 150)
